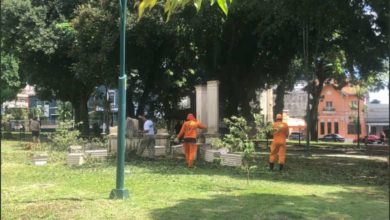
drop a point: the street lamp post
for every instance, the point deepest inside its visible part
(358, 122)
(120, 192)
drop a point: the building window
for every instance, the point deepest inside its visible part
(354, 105)
(322, 128)
(373, 130)
(352, 128)
(329, 125)
(329, 106)
(336, 127)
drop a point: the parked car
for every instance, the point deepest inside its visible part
(332, 137)
(370, 139)
(296, 136)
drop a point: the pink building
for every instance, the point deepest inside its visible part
(338, 112)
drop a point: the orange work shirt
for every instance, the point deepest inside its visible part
(188, 130)
(280, 132)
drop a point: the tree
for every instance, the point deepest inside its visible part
(335, 50)
(172, 6)
(41, 47)
(10, 81)
(50, 57)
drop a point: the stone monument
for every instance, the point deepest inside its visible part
(207, 108)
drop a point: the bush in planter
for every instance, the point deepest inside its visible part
(238, 139)
(96, 142)
(65, 135)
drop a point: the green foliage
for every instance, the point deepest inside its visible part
(10, 81)
(262, 129)
(67, 48)
(240, 138)
(172, 6)
(64, 111)
(65, 135)
(97, 141)
(36, 112)
(16, 114)
(160, 123)
(238, 134)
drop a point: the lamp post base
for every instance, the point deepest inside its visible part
(308, 154)
(119, 194)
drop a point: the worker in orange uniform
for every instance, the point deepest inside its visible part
(189, 132)
(278, 146)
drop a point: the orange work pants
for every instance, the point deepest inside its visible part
(190, 150)
(278, 149)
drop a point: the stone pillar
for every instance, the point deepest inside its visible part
(266, 105)
(270, 105)
(201, 103)
(213, 107)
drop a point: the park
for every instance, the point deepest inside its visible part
(194, 109)
(318, 187)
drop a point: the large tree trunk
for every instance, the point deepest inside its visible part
(76, 107)
(107, 112)
(279, 100)
(142, 103)
(247, 95)
(84, 118)
(315, 91)
(129, 103)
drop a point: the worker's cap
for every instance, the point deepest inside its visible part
(190, 117)
(279, 117)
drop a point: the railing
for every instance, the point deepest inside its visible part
(329, 109)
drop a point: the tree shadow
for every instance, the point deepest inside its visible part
(341, 205)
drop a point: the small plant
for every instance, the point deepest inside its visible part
(262, 129)
(16, 114)
(238, 139)
(99, 142)
(160, 124)
(64, 111)
(65, 135)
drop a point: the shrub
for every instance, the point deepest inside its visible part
(65, 135)
(238, 140)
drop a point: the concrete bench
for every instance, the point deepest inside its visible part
(98, 154)
(75, 159)
(40, 160)
(158, 151)
(232, 160)
(75, 149)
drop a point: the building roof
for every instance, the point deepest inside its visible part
(296, 122)
(351, 90)
(377, 113)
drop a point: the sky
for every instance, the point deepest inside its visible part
(382, 96)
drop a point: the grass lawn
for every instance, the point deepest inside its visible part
(309, 188)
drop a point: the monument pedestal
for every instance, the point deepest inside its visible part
(211, 137)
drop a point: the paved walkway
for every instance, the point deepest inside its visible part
(334, 152)
(366, 157)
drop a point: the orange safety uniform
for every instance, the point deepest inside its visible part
(189, 132)
(278, 146)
